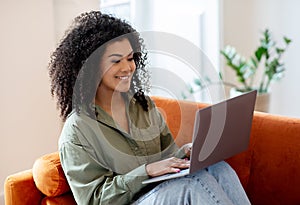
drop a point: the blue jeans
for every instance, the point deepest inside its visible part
(217, 184)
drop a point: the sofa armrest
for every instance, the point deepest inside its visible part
(20, 189)
(275, 161)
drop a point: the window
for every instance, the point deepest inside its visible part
(183, 37)
(119, 8)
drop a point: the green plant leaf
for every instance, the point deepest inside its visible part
(190, 89)
(280, 50)
(260, 52)
(207, 79)
(287, 40)
(254, 62)
(221, 76)
(183, 95)
(198, 82)
(267, 56)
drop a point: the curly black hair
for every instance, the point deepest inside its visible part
(74, 65)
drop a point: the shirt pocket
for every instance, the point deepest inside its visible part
(149, 138)
(148, 134)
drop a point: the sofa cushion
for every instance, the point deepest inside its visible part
(49, 176)
(65, 199)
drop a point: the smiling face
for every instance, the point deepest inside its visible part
(117, 66)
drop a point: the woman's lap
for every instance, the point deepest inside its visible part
(217, 184)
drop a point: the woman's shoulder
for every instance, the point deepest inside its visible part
(136, 99)
(75, 118)
(75, 125)
(151, 102)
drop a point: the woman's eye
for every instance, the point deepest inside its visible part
(115, 61)
(130, 59)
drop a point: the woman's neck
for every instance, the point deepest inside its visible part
(109, 100)
(114, 105)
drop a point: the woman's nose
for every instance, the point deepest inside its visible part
(126, 66)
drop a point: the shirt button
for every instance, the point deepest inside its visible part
(136, 148)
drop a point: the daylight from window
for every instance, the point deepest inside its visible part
(182, 38)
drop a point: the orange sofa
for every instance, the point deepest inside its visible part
(269, 170)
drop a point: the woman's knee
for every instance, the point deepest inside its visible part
(221, 171)
(220, 167)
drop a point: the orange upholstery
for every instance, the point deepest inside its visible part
(269, 169)
(20, 189)
(275, 160)
(65, 199)
(50, 181)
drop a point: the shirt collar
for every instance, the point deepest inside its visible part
(103, 117)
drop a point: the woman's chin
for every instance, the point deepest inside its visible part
(122, 89)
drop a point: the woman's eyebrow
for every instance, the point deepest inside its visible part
(119, 55)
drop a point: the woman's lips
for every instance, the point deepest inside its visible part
(123, 77)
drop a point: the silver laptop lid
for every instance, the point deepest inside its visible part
(222, 130)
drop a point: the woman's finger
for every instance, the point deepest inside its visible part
(182, 164)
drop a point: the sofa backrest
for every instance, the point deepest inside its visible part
(180, 117)
(269, 169)
(275, 160)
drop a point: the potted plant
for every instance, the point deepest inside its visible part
(256, 73)
(260, 70)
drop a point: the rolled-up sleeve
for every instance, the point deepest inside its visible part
(93, 184)
(168, 146)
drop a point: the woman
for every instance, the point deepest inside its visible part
(114, 137)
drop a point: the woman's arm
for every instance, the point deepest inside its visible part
(168, 146)
(92, 184)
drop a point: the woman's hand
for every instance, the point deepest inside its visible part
(187, 149)
(170, 165)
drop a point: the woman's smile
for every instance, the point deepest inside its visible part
(125, 77)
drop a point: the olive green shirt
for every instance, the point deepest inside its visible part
(104, 164)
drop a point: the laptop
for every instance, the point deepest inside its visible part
(220, 131)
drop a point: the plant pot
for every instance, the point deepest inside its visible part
(262, 103)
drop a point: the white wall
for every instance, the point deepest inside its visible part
(242, 23)
(29, 125)
(29, 122)
(66, 10)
